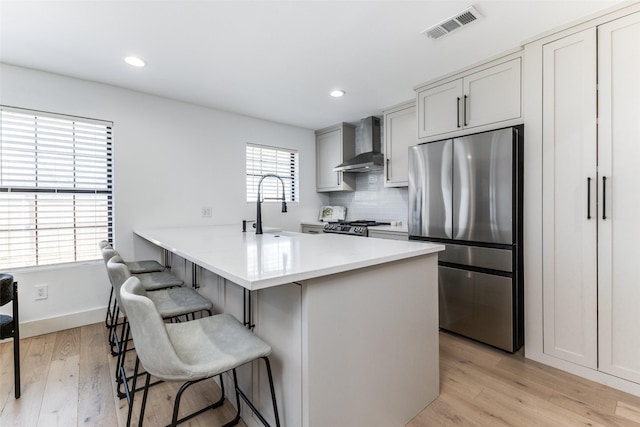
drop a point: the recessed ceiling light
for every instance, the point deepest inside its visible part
(337, 93)
(134, 61)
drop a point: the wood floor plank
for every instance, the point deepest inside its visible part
(36, 360)
(628, 412)
(6, 373)
(603, 398)
(96, 406)
(63, 380)
(588, 411)
(528, 410)
(451, 409)
(467, 351)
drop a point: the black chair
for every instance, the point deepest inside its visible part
(9, 325)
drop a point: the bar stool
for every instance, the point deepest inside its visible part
(171, 303)
(190, 352)
(136, 267)
(151, 281)
(10, 325)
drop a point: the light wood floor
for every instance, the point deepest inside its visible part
(67, 381)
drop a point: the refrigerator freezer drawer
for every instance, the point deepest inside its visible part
(477, 305)
(476, 256)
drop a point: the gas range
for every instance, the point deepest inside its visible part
(352, 228)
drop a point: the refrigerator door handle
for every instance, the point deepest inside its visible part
(447, 188)
(588, 197)
(604, 197)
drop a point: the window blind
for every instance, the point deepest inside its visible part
(56, 177)
(263, 160)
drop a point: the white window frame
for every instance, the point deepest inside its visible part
(56, 188)
(264, 159)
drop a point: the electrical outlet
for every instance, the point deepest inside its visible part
(42, 291)
(206, 212)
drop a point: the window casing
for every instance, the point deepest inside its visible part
(262, 160)
(56, 200)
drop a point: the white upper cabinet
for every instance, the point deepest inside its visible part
(400, 134)
(492, 95)
(485, 97)
(439, 109)
(334, 145)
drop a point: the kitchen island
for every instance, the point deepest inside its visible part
(353, 322)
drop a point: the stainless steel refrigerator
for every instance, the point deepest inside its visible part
(467, 193)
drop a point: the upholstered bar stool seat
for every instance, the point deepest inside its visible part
(190, 351)
(173, 302)
(152, 278)
(158, 280)
(170, 302)
(145, 266)
(135, 267)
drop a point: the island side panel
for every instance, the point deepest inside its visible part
(278, 321)
(370, 344)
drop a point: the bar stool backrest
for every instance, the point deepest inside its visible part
(150, 336)
(6, 288)
(118, 274)
(7, 295)
(107, 253)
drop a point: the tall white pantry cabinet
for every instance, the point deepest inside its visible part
(585, 134)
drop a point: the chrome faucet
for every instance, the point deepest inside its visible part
(259, 202)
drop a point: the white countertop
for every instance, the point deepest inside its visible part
(272, 259)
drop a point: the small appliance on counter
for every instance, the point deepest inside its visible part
(352, 228)
(332, 213)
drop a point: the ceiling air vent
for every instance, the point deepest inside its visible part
(459, 20)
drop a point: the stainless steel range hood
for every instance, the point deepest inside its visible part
(368, 156)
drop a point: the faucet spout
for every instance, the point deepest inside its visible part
(259, 201)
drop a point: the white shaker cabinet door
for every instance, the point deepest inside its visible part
(329, 155)
(333, 146)
(439, 109)
(569, 199)
(492, 95)
(619, 210)
(400, 134)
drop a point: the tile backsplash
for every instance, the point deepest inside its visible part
(372, 200)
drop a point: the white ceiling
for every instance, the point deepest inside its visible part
(275, 60)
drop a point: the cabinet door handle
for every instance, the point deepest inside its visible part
(338, 176)
(589, 198)
(464, 108)
(387, 169)
(604, 197)
(458, 112)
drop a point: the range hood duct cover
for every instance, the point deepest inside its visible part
(368, 156)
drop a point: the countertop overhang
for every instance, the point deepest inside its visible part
(276, 258)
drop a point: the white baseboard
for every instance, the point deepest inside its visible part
(590, 374)
(60, 323)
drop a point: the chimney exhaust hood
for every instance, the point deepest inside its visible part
(368, 156)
